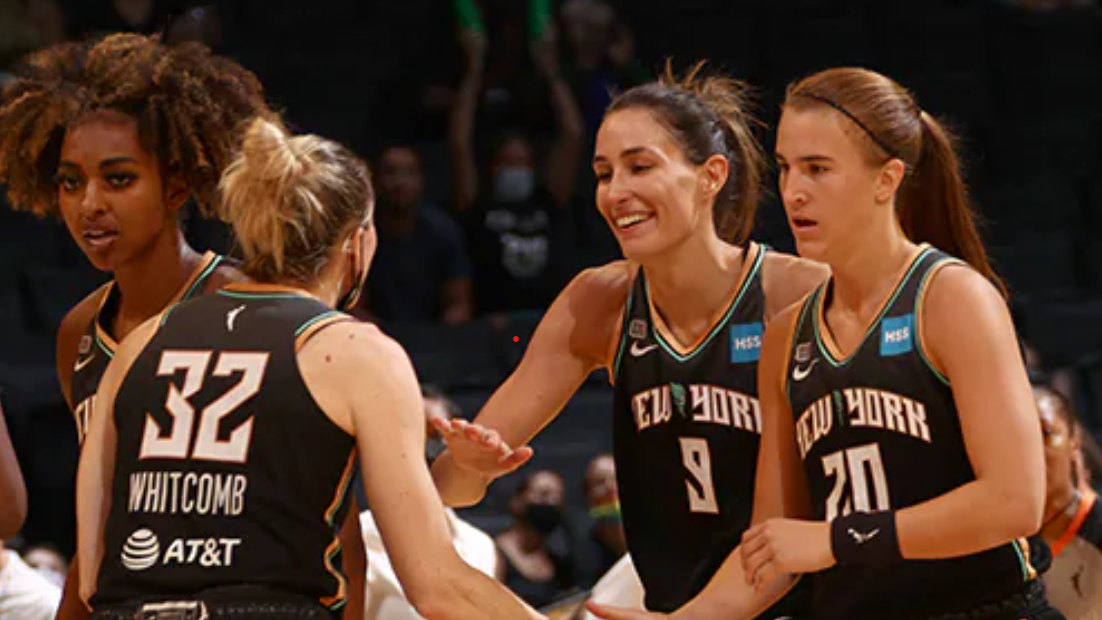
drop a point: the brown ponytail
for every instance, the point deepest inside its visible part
(934, 205)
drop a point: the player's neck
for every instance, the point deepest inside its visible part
(694, 280)
(868, 269)
(148, 284)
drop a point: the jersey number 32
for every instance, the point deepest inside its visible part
(208, 445)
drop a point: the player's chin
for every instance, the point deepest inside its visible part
(813, 249)
(643, 249)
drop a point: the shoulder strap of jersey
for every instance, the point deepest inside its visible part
(930, 264)
(315, 324)
(198, 279)
(633, 325)
(802, 336)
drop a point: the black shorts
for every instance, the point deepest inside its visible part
(235, 603)
(1027, 604)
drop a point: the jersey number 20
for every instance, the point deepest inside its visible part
(208, 446)
(867, 482)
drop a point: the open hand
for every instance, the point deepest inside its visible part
(480, 450)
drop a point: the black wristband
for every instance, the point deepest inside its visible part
(865, 539)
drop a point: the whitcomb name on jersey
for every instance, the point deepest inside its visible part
(708, 404)
(175, 492)
(142, 551)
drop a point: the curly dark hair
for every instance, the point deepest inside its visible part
(190, 106)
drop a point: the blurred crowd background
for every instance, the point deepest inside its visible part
(480, 138)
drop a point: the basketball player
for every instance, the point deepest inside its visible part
(224, 433)
(1072, 525)
(678, 325)
(901, 457)
(113, 137)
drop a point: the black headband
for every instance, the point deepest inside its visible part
(890, 151)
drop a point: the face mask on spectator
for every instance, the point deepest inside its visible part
(544, 518)
(514, 183)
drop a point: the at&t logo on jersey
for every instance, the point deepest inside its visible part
(142, 551)
(897, 335)
(745, 342)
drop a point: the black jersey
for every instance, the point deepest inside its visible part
(687, 427)
(97, 346)
(879, 430)
(227, 471)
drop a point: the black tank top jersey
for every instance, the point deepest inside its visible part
(686, 434)
(228, 472)
(880, 431)
(97, 346)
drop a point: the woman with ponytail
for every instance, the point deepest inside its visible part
(224, 436)
(902, 462)
(678, 327)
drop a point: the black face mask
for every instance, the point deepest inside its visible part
(348, 301)
(544, 518)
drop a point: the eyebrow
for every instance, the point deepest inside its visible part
(805, 158)
(635, 150)
(107, 163)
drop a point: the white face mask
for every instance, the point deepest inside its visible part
(514, 183)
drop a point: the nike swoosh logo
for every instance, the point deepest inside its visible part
(800, 374)
(863, 538)
(84, 362)
(231, 317)
(638, 351)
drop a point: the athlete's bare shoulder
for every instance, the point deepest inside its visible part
(591, 308)
(786, 279)
(348, 361)
(610, 281)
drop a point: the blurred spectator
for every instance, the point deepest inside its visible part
(1072, 525)
(605, 543)
(385, 598)
(201, 24)
(24, 593)
(420, 271)
(49, 563)
(27, 25)
(536, 548)
(514, 216)
(602, 59)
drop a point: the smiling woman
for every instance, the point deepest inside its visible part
(678, 326)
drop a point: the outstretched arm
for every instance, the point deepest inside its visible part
(461, 124)
(576, 336)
